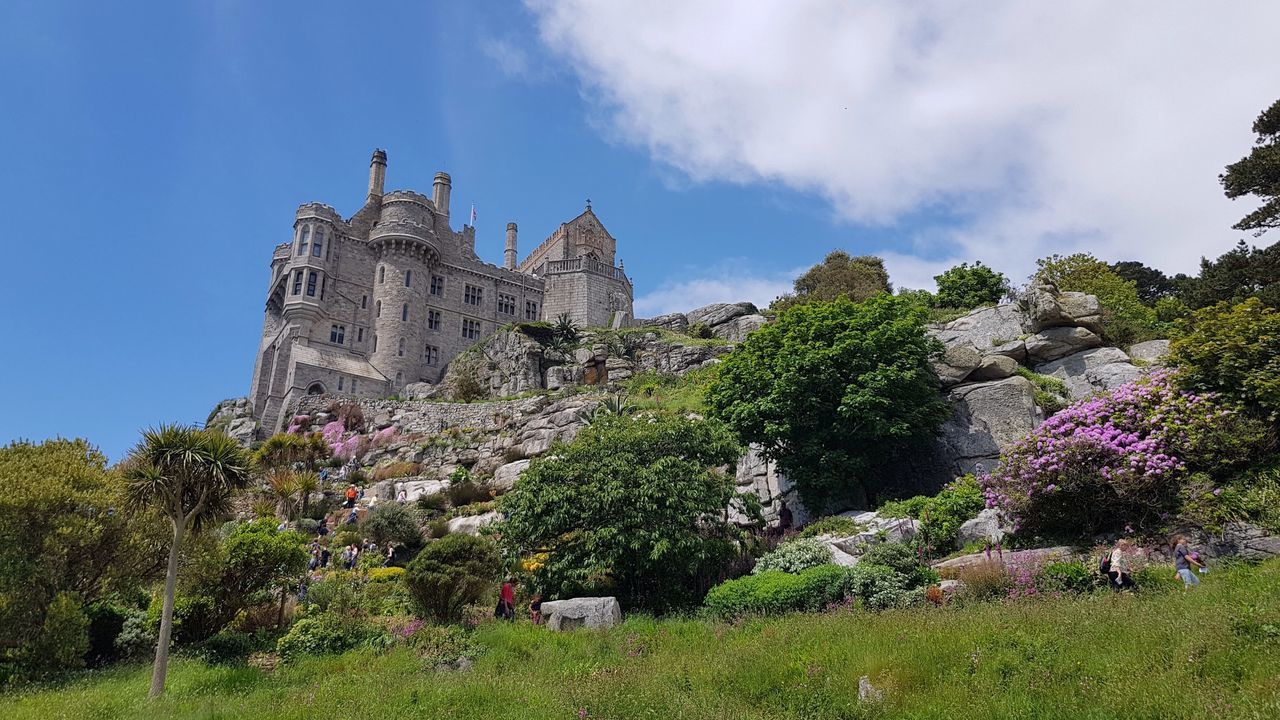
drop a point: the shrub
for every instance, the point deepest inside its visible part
(699, 330)
(942, 515)
(106, 621)
(838, 276)
(834, 525)
(1050, 392)
(443, 645)
(984, 581)
(437, 528)
(350, 414)
(793, 556)
(1070, 577)
(1233, 350)
(324, 634)
(396, 470)
(435, 502)
(227, 647)
(902, 559)
(775, 592)
(64, 637)
(392, 522)
(467, 492)
(450, 573)
(1118, 459)
(385, 574)
(137, 636)
(967, 287)
(878, 587)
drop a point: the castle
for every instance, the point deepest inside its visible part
(364, 306)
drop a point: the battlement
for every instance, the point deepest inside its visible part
(581, 264)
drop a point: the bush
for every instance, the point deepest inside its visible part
(838, 276)
(467, 492)
(392, 522)
(385, 574)
(775, 592)
(984, 581)
(1070, 577)
(699, 330)
(433, 503)
(902, 559)
(137, 636)
(443, 645)
(967, 287)
(942, 515)
(1119, 460)
(64, 637)
(833, 525)
(451, 573)
(1233, 350)
(324, 634)
(878, 587)
(794, 556)
(227, 647)
(106, 621)
(396, 470)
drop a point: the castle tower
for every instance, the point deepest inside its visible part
(440, 193)
(377, 173)
(509, 254)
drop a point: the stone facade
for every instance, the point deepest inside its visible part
(363, 306)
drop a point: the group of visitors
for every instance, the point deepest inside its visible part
(350, 556)
(1186, 563)
(506, 609)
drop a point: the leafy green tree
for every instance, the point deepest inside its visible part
(1151, 284)
(838, 275)
(1242, 272)
(832, 391)
(1125, 320)
(66, 536)
(635, 507)
(283, 450)
(1233, 350)
(261, 559)
(189, 475)
(968, 286)
(1258, 174)
(451, 573)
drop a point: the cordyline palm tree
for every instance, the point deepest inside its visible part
(189, 475)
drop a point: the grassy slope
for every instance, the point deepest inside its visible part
(1209, 653)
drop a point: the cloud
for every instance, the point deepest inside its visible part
(730, 281)
(512, 59)
(1036, 127)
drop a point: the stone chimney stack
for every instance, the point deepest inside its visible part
(440, 193)
(509, 255)
(377, 173)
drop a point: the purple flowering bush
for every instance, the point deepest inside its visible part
(1118, 461)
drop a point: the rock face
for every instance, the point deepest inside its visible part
(989, 417)
(875, 529)
(504, 478)
(984, 328)
(955, 363)
(737, 329)
(234, 418)
(719, 313)
(584, 612)
(989, 525)
(1058, 342)
(1092, 371)
(471, 524)
(1151, 351)
(755, 474)
(993, 367)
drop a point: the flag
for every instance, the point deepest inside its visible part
(473, 215)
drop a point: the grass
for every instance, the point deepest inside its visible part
(681, 394)
(1207, 653)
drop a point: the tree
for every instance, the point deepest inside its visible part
(968, 286)
(838, 275)
(1125, 320)
(1258, 174)
(1150, 283)
(284, 450)
(1239, 273)
(189, 475)
(635, 507)
(831, 391)
(66, 538)
(451, 573)
(392, 522)
(1233, 350)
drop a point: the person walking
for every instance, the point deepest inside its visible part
(1185, 562)
(352, 494)
(507, 600)
(1119, 572)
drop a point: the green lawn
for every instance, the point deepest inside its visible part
(1214, 652)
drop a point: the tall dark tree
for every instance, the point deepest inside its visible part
(1240, 273)
(1258, 174)
(1152, 284)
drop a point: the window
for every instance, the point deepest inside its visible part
(364, 302)
(408, 278)
(433, 320)
(399, 378)
(353, 384)
(400, 349)
(302, 239)
(377, 309)
(337, 334)
(433, 355)
(311, 284)
(437, 285)
(382, 273)
(470, 329)
(530, 310)
(359, 334)
(506, 304)
(316, 249)
(339, 382)
(375, 342)
(404, 312)
(297, 283)
(473, 295)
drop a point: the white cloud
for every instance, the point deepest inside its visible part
(1044, 127)
(512, 59)
(727, 282)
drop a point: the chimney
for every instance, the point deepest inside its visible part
(440, 193)
(377, 172)
(509, 255)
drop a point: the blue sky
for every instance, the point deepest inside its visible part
(154, 154)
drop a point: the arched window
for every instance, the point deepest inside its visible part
(302, 239)
(382, 273)
(400, 350)
(399, 378)
(408, 278)
(316, 249)
(311, 283)
(315, 388)
(404, 312)
(377, 309)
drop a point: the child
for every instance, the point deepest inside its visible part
(1184, 560)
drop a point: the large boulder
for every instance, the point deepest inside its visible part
(1077, 305)
(584, 612)
(413, 488)
(1092, 371)
(418, 391)
(671, 321)
(983, 328)
(1015, 350)
(1149, 352)
(471, 524)
(1042, 307)
(988, 419)
(955, 363)
(719, 313)
(506, 363)
(504, 478)
(994, 367)
(1058, 342)
(737, 329)
(990, 525)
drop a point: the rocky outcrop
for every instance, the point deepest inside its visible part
(719, 313)
(993, 367)
(737, 329)
(955, 363)
(1092, 371)
(1058, 342)
(472, 524)
(1150, 352)
(989, 526)
(953, 566)
(760, 476)
(985, 328)
(234, 418)
(504, 478)
(873, 529)
(592, 613)
(989, 417)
